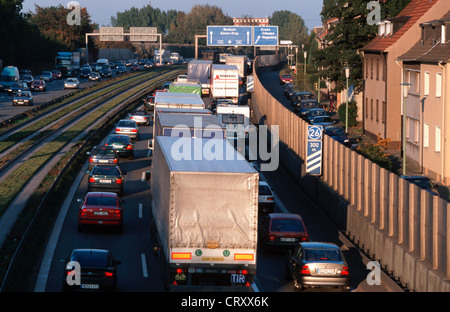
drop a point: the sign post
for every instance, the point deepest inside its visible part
(314, 150)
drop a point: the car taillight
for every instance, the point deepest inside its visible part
(91, 159)
(91, 180)
(134, 130)
(119, 181)
(83, 212)
(109, 274)
(129, 147)
(305, 238)
(269, 198)
(115, 161)
(271, 238)
(305, 270)
(344, 271)
(117, 213)
(117, 130)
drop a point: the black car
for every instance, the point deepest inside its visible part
(17, 87)
(85, 72)
(106, 72)
(103, 155)
(122, 144)
(106, 179)
(149, 103)
(28, 79)
(422, 182)
(121, 69)
(298, 96)
(90, 270)
(338, 134)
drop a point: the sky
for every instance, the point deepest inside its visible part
(102, 10)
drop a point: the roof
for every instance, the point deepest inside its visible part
(430, 50)
(411, 14)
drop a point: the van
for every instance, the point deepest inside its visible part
(9, 76)
(101, 63)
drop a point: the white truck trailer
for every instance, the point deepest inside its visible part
(225, 82)
(204, 215)
(200, 70)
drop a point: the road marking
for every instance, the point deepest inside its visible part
(143, 176)
(140, 211)
(144, 265)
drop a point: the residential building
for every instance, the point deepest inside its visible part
(427, 106)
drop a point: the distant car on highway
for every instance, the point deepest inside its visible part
(106, 72)
(17, 87)
(94, 76)
(338, 134)
(266, 199)
(127, 127)
(141, 117)
(121, 69)
(47, 76)
(122, 144)
(23, 98)
(56, 74)
(315, 112)
(71, 83)
(283, 230)
(284, 78)
(103, 155)
(324, 121)
(98, 270)
(38, 85)
(317, 264)
(102, 209)
(85, 71)
(106, 179)
(135, 67)
(422, 182)
(28, 79)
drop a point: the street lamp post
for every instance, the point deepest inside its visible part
(305, 54)
(405, 87)
(347, 75)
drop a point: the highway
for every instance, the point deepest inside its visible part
(140, 270)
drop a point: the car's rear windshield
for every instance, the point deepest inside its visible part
(127, 123)
(287, 225)
(92, 260)
(322, 255)
(103, 152)
(264, 190)
(101, 201)
(118, 139)
(102, 170)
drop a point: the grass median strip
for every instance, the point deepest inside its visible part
(15, 182)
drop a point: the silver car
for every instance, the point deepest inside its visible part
(128, 127)
(71, 83)
(314, 264)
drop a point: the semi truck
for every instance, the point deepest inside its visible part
(68, 63)
(236, 119)
(200, 70)
(164, 55)
(204, 215)
(241, 63)
(225, 82)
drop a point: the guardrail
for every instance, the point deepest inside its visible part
(405, 228)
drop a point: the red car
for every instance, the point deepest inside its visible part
(285, 78)
(38, 85)
(102, 209)
(283, 230)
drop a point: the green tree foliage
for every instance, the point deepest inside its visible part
(351, 33)
(290, 27)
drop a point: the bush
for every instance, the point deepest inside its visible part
(352, 113)
(376, 152)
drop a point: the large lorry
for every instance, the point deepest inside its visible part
(9, 76)
(68, 63)
(236, 119)
(204, 215)
(189, 125)
(186, 87)
(200, 70)
(241, 63)
(225, 82)
(163, 55)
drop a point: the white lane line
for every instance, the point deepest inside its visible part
(140, 211)
(143, 176)
(144, 265)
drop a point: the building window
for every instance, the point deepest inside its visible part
(426, 82)
(426, 135)
(408, 130)
(416, 131)
(438, 85)
(371, 109)
(371, 68)
(367, 108)
(437, 140)
(378, 69)
(377, 110)
(383, 113)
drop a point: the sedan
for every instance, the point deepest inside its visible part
(103, 155)
(17, 87)
(313, 264)
(102, 209)
(38, 85)
(46, 76)
(314, 112)
(71, 83)
(94, 76)
(56, 74)
(140, 116)
(284, 78)
(90, 269)
(266, 199)
(338, 134)
(283, 230)
(121, 69)
(106, 178)
(135, 67)
(324, 121)
(127, 127)
(122, 144)
(23, 98)
(28, 79)
(106, 72)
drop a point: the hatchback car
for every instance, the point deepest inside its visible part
(94, 76)
(266, 201)
(122, 144)
(315, 264)
(38, 85)
(100, 209)
(23, 98)
(103, 155)
(106, 178)
(46, 76)
(71, 83)
(97, 270)
(283, 230)
(140, 116)
(128, 127)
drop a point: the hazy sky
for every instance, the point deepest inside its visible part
(102, 10)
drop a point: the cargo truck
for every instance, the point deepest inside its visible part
(200, 70)
(161, 57)
(225, 82)
(186, 87)
(189, 125)
(68, 63)
(241, 63)
(204, 216)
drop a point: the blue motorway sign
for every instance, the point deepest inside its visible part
(314, 150)
(265, 35)
(229, 35)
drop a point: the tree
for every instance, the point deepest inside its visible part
(290, 27)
